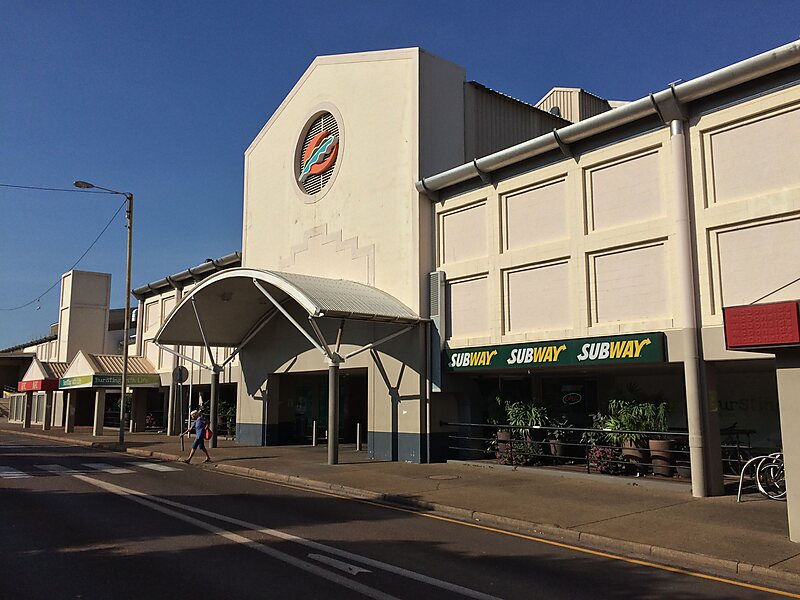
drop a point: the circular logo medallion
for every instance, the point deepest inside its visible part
(317, 156)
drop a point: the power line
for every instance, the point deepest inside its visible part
(49, 189)
(75, 264)
(774, 291)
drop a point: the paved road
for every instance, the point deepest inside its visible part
(79, 523)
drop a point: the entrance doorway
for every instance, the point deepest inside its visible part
(303, 399)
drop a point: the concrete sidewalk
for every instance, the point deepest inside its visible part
(659, 521)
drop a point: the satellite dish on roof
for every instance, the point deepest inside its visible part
(180, 374)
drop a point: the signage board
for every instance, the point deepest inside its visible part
(109, 381)
(37, 385)
(762, 325)
(620, 349)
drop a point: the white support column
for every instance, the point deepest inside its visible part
(70, 398)
(48, 411)
(788, 377)
(99, 411)
(28, 409)
(704, 445)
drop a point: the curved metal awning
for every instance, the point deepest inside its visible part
(229, 308)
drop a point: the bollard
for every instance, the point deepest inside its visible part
(314, 433)
(358, 437)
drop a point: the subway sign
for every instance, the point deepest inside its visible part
(620, 349)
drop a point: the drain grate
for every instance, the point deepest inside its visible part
(444, 477)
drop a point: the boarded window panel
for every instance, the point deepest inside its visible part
(632, 284)
(464, 234)
(151, 352)
(538, 298)
(756, 158)
(627, 192)
(467, 308)
(151, 315)
(169, 304)
(537, 216)
(757, 260)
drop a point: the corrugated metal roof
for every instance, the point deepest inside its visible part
(112, 363)
(36, 342)
(55, 370)
(230, 304)
(340, 297)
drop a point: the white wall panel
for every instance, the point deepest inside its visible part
(631, 284)
(759, 259)
(625, 192)
(536, 216)
(538, 298)
(464, 234)
(467, 308)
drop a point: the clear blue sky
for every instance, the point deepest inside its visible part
(162, 99)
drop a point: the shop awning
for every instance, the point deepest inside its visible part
(42, 376)
(105, 371)
(231, 303)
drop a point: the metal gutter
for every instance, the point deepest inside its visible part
(190, 275)
(705, 85)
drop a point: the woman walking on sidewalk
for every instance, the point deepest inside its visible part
(200, 431)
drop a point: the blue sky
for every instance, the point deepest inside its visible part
(162, 99)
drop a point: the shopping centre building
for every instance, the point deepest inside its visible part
(414, 244)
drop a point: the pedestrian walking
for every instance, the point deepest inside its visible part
(200, 436)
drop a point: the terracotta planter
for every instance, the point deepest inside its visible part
(556, 448)
(503, 445)
(663, 460)
(637, 453)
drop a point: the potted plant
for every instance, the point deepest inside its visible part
(557, 435)
(626, 418)
(600, 457)
(661, 455)
(518, 445)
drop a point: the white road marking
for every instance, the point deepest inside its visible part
(12, 473)
(139, 497)
(106, 468)
(57, 469)
(339, 564)
(153, 466)
(148, 501)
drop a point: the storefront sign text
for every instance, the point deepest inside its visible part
(639, 348)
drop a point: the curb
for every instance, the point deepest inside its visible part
(627, 549)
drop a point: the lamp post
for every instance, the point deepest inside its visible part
(85, 185)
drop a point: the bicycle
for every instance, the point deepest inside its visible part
(769, 475)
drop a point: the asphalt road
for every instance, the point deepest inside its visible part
(80, 523)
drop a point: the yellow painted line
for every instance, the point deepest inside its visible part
(531, 538)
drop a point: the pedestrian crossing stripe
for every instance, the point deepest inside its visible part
(106, 468)
(12, 473)
(153, 466)
(58, 469)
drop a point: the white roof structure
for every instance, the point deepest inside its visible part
(233, 302)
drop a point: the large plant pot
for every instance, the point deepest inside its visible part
(503, 452)
(662, 458)
(556, 448)
(684, 468)
(637, 453)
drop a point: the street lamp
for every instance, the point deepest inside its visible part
(85, 185)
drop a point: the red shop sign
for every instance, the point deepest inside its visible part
(762, 325)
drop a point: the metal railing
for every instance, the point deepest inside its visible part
(612, 451)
